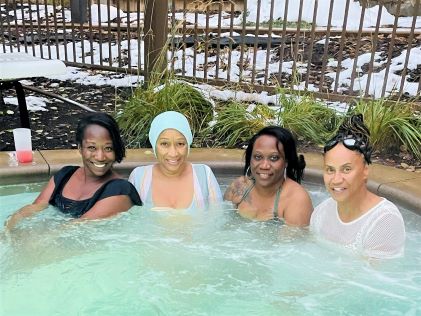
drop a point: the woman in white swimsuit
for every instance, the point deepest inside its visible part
(353, 216)
(173, 182)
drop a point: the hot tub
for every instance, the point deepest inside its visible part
(207, 263)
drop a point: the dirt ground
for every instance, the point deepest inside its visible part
(55, 128)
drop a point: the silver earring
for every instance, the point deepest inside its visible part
(248, 174)
(285, 173)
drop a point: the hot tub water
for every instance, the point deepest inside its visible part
(208, 263)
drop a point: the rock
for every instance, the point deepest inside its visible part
(404, 165)
(411, 169)
(407, 7)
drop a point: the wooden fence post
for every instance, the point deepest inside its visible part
(78, 10)
(155, 36)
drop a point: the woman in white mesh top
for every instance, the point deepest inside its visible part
(353, 216)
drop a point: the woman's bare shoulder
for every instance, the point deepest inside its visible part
(296, 190)
(237, 188)
(298, 205)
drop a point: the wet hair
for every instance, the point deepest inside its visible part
(354, 135)
(106, 121)
(295, 162)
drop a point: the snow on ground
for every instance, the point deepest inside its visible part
(354, 12)
(32, 103)
(99, 79)
(338, 14)
(377, 79)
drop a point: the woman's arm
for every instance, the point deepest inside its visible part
(230, 191)
(109, 206)
(117, 196)
(236, 189)
(40, 203)
(386, 237)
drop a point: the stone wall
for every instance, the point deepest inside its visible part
(407, 6)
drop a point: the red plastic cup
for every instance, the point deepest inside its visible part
(23, 144)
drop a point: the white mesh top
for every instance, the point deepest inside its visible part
(378, 233)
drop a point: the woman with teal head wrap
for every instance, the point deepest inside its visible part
(170, 120)
(173, 182)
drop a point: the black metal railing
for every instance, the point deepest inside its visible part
(212, 41)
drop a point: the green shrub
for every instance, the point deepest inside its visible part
(304, 116)
(307, 118)
(235, 124)
(391, 125)
(139, 111)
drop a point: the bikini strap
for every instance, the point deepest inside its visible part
(246, 193)
(277, 197)
(275, 206)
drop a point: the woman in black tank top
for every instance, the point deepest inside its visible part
(93, 190)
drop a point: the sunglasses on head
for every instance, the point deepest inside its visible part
(351, 142)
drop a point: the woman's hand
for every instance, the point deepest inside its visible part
(24, 212)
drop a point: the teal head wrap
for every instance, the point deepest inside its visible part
(167, 120)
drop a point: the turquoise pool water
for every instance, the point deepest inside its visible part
(209, 263)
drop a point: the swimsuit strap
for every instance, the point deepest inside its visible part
(275, 205)
(246, 193)
(200, 180)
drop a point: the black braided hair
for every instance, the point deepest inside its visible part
(354, 126)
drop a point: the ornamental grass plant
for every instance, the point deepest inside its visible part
(136, 117)
(307, 118)
(236, 122)
(392, 125)
(162, 93)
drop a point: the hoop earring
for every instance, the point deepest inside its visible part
(248, 174)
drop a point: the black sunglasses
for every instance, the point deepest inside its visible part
(352, 143)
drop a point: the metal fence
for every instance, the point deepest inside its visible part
(293, 44)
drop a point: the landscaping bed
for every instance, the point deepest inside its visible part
(55, 127)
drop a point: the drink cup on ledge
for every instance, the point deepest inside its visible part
(23, 144)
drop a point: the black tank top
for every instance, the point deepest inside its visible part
(77, 208)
